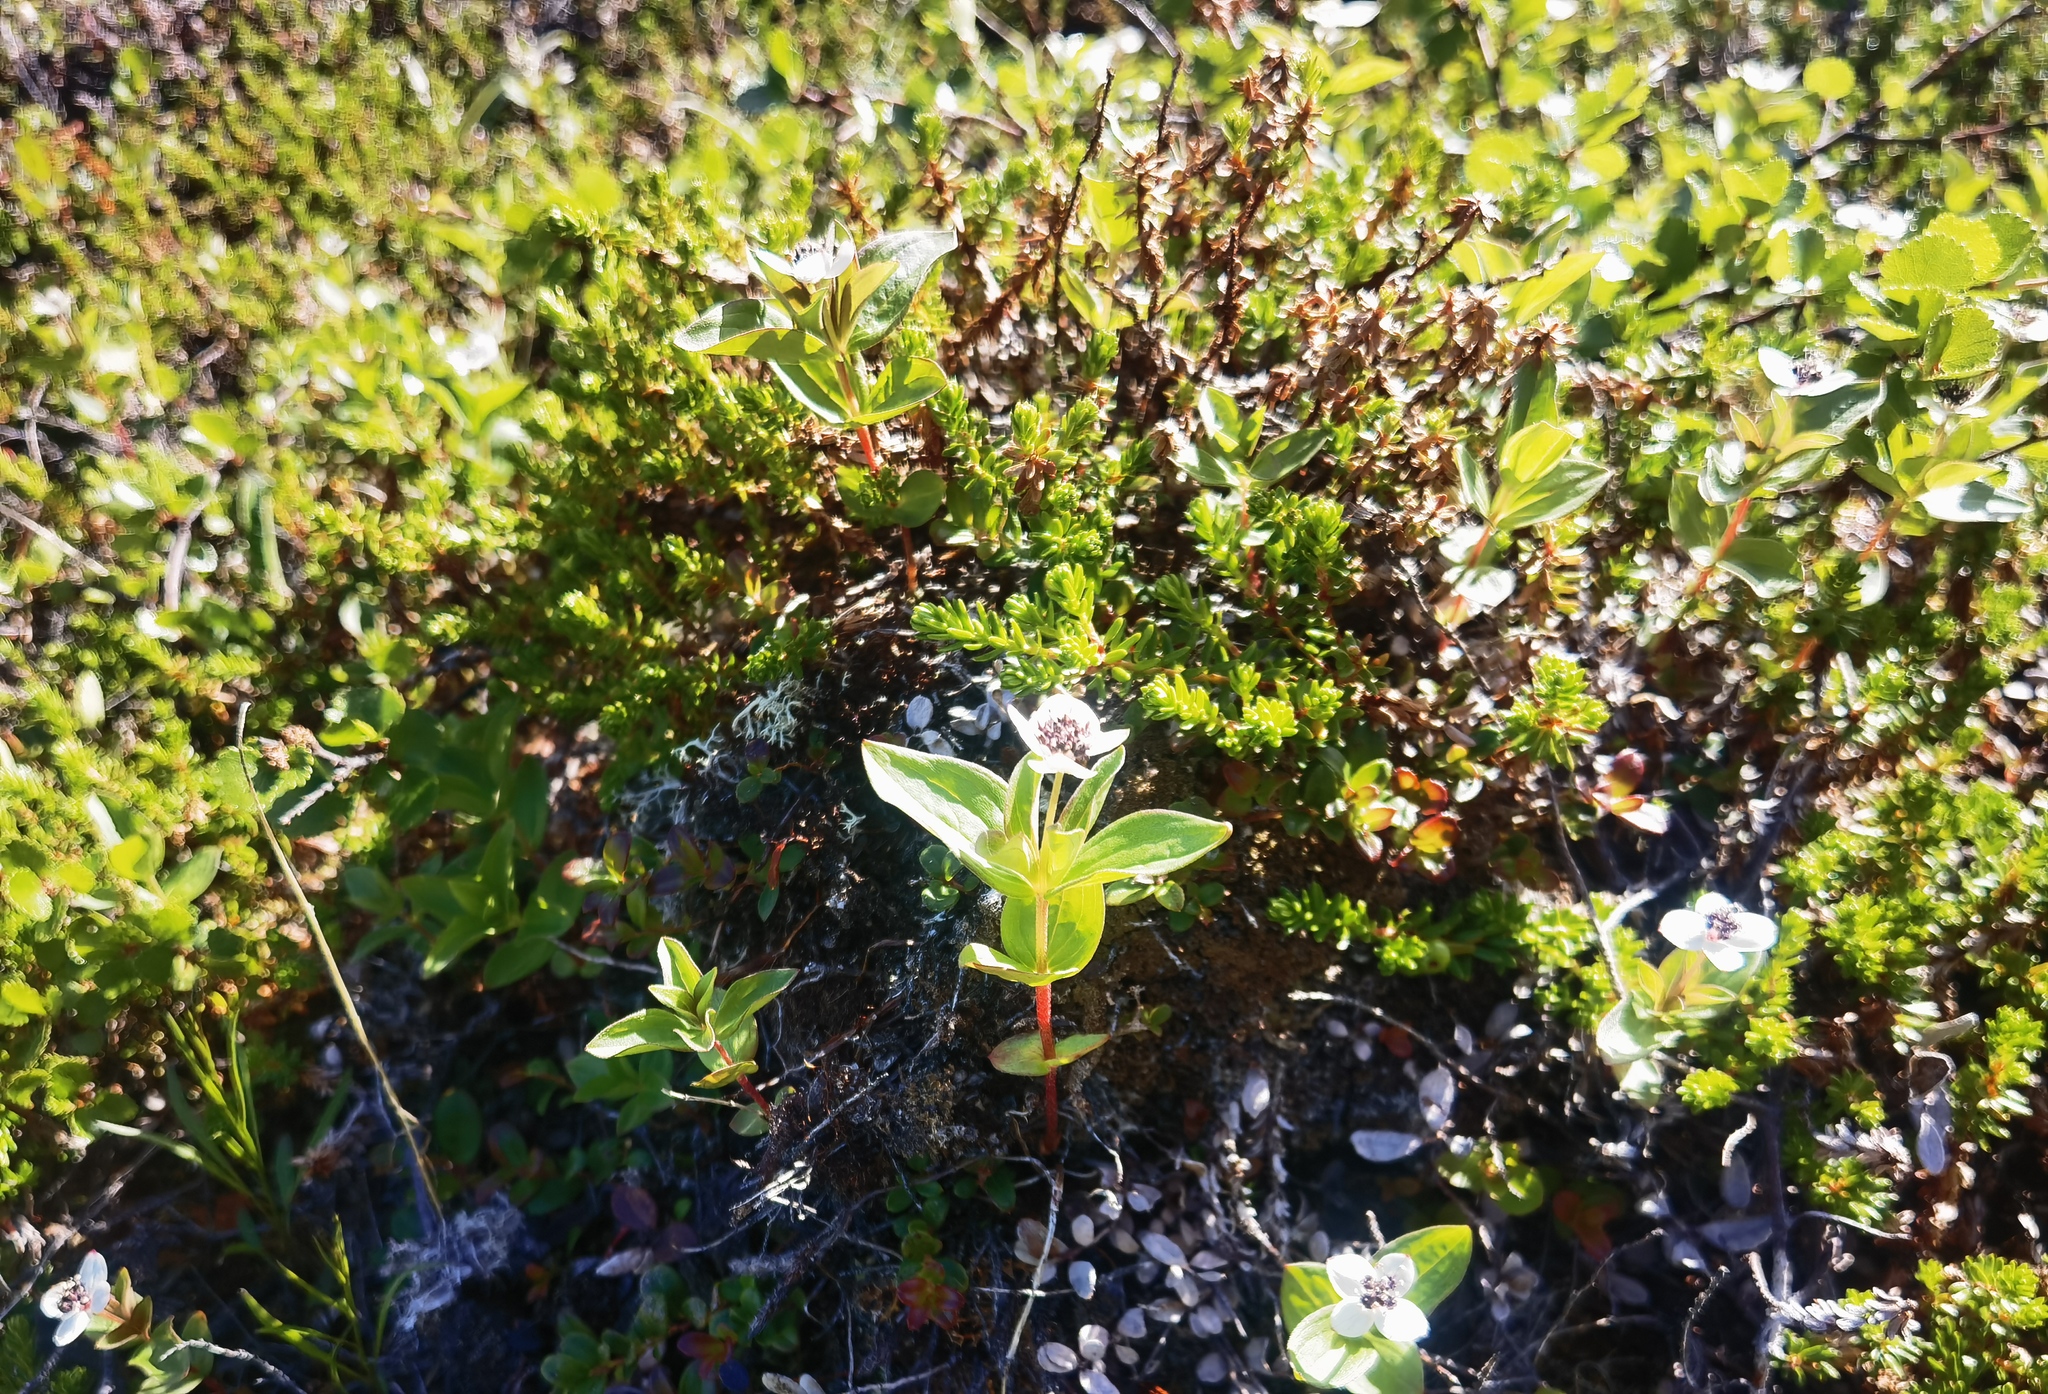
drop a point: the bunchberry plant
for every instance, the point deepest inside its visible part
(1354, 1321)
(1049, 870)
(832, 303)
(1717, 949)
(716, 1024)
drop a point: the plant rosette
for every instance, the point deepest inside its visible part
(1353, 1322)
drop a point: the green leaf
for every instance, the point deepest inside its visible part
(1021, 1055)
(135, 857)
(962, 805)
(1975, 502)
(905, 383)
(24, 891)
(554, 904)
(1769, 567)
(458, 1127)
(1085, 806)
(1931, 261)
(1536, 296)
(816, 386)
(983, 959)
(725, 1074)
(732, 327)
(1533, 451)
(678, 969)
(191, 877)
(753, 992)
(1829, 79)
(644, 1031)
(1152, 842)
(1399, 1370)
(915, 251)
(1305, 1288)
(1963, 343)
(516, 959)
(1225, 423)
(1283, 455)
(1074, 921)
(1441, 1254)
(1328, 1361)
(1562, 492)
(461, 934)
(1020, 812)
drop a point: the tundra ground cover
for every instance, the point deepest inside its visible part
(1556, 481)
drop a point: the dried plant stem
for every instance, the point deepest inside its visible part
(403, 1120)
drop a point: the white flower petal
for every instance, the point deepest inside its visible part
(1352, 1319)
(1778, 367)
(53, 1299)
(71, 1327)
(1712, 902)
(92, 1272)
(1725, 957)
(96, 1296)
(1349, 1272)
(1404, 1322)
(1753, 933)
(1685, 928)
(1107, 741)
(1398, 1269)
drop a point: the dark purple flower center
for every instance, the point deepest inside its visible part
(1065, 735)
(72, 1297)
(1378, 1293)
(1721, 926)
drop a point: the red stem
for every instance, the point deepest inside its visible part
(745, 1083)
(867, 445)
(1728, 536)
(909, 561)
(1052, 1086)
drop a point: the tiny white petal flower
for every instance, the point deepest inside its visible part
(1374, 1297)
(1066, 734)
(813, 262)
(1721, 930)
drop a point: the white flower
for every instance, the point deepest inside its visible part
(813, 262)
(985, 719)
(1065, 733)
(1719, 928)
(1375, 1298)
(1508, 1286)
(74, 1302)
(1803, 377)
